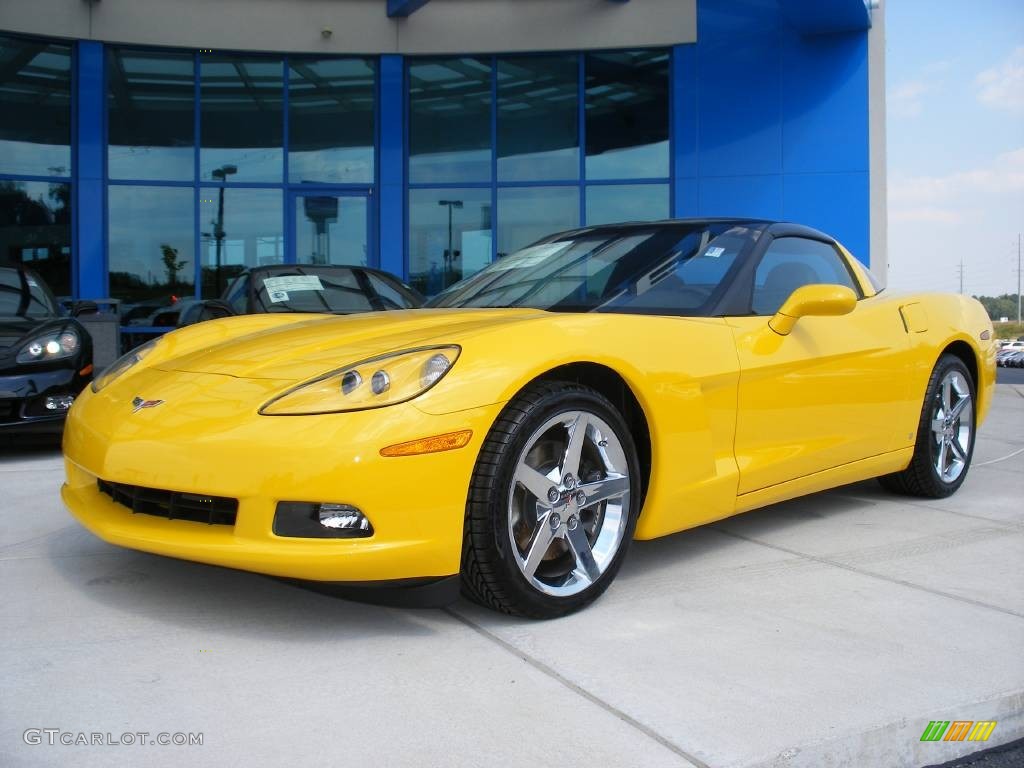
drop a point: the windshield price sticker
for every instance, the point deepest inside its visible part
(280, 286)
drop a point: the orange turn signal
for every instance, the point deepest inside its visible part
(435, 444)
(86, 371)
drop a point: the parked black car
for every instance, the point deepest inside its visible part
(329, 288)
(45, 357)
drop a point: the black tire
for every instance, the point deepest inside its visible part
(921, 477)
(491, 571)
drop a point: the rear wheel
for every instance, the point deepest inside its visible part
(553, 503)
(945, 435)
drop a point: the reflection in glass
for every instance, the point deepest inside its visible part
(538, 118)
(35, 218)
(239, 228)
(613, 203)
(449, 236)
(151, 231)
(241, 121)
(525, 214)
(627, 95)
(450, 120)
(150, 114)
(331, 120)
(35, 108)
(330, 229)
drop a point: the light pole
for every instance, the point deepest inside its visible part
(220, 174)
(449, 255)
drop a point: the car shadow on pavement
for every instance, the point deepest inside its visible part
(218, 601)
(229, 602)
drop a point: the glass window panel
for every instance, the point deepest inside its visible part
(35, 108)
(613, 203)
(242, 123)
(443, 250)
(239, 228)
(330, 229)
(331, 120)
(450, 120)
(151, 115)
(152, 237)
(525, 215)
(627, 115)
(35, 219)
(538, 118)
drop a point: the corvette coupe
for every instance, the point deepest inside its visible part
(45, 356)
(604, 384)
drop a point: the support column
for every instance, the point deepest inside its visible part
(89, 209)
(392, 165)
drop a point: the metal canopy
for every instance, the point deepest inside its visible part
(399, 8)
(822, 17)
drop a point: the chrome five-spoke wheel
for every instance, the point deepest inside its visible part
(553, 502)
(569, 503)
(944, 442)
(952, 425)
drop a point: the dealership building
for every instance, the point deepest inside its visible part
(155, 149)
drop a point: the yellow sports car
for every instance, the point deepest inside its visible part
(603, 384)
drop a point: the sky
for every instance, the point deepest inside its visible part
(955, 136)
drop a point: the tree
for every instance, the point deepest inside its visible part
(171, 263)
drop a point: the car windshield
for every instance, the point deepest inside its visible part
(23, 294)
(673, 269)
(311, 289)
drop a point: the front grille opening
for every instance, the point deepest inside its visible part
(173, 505)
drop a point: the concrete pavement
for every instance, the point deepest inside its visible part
(826, 631)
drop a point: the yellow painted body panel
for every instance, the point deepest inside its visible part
(738, 417)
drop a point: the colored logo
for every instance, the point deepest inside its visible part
(958, 730)
(138, 404)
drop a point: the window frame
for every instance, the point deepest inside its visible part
(582, 181)
(771, 238)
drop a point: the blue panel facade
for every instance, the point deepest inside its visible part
(781, 121)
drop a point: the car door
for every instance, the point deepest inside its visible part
(828, 393)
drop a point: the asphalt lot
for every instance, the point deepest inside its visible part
(1010, 376)
(824, 631)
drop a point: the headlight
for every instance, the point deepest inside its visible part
(54, 345)
(373, 383)
(121, 365)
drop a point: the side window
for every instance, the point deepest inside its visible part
(792, 262)
(237, 293)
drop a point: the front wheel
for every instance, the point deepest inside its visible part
(553, 503)
(945, 435)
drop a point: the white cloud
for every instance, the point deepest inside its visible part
(1005, 174)
(1002, 87)
(970, 216)
(905, 100)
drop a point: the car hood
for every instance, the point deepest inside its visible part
(297, 351)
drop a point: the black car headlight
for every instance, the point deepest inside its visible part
(122, 364)
(52, 345)
(374, 383)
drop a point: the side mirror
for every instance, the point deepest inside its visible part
(211, 309)
(84, 307)
(813, 300)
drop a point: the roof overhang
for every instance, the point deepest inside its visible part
(823, 17)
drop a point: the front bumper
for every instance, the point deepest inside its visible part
(23, 400)
(208, 439)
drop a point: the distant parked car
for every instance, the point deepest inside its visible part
(1009, 350)
(45, 356)
(323, 288)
